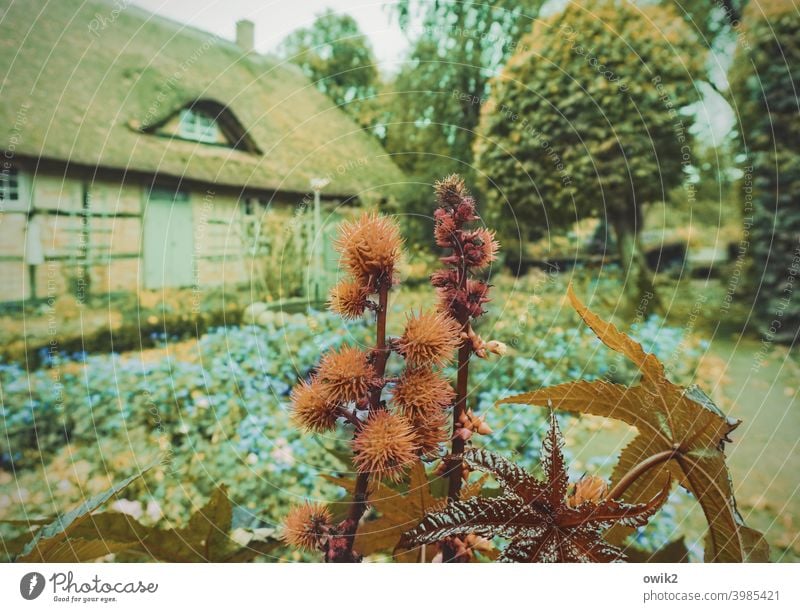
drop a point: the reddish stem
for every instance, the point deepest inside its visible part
(342, 551)
(639, 470)
(352, 418)
(454, 464)
(454, 469)
(380, 345)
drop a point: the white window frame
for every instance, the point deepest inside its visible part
(199, 126)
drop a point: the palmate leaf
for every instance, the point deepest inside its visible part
(670, 419)
(534, 515)
(50, 543)
(672, 552)
(400, 511)
(207, 536)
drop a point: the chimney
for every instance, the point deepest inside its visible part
(245, 35)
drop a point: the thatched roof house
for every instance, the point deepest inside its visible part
(113, 114)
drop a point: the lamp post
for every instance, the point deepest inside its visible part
(317, 185)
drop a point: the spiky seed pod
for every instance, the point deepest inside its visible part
(430, 338)
(431, 431)
(480, 248)
(445, 230)
(346, 375)
(468, 302)
(450, 191)
(588, 489)
(477, 295)
(421, 391)
(386, 446)
(370, 247)
(349, 298)
(312, 407)
(446, 278)
(306, 526)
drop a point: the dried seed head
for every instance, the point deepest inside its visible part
(346, 375)
(370, 246)
(306, 526)
(430, 431)
(480, 248)
(450, 191)
(349, 299)
(588, 489)
(422, 391)
(385, 447)
(430, 339)
(445, 231)
(312, 407)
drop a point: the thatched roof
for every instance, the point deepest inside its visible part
(83, 80)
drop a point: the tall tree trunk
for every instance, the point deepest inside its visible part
(638, 279)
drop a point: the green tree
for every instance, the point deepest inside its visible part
(337, 57)
(586, 121)
(710, 19)
(434, 104)
(764, 93)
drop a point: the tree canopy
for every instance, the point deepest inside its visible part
(586, 119)
(460, 47)
(763, 87)
(338, 58)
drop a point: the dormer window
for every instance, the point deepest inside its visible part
(205, 121)
(200, 126)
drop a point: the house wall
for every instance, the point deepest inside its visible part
(91, 232)
(220, 251)
(95, 239)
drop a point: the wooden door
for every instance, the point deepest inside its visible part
(168, 245)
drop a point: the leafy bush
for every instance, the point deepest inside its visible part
(766, 69)
(584, 121)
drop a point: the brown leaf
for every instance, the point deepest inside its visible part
(206, 537)
(49, 539)
(669, 419)
(534, 515)
(673, 552)
(398, 513)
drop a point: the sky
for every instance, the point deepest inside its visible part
(275, 19)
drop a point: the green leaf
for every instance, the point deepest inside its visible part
(49, 539)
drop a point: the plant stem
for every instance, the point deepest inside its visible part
(357, 507)
(460, 407)
(351, 417)
(380, 344)
(454, 464)
(360, 493)
(454, 468)
(640, 469)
